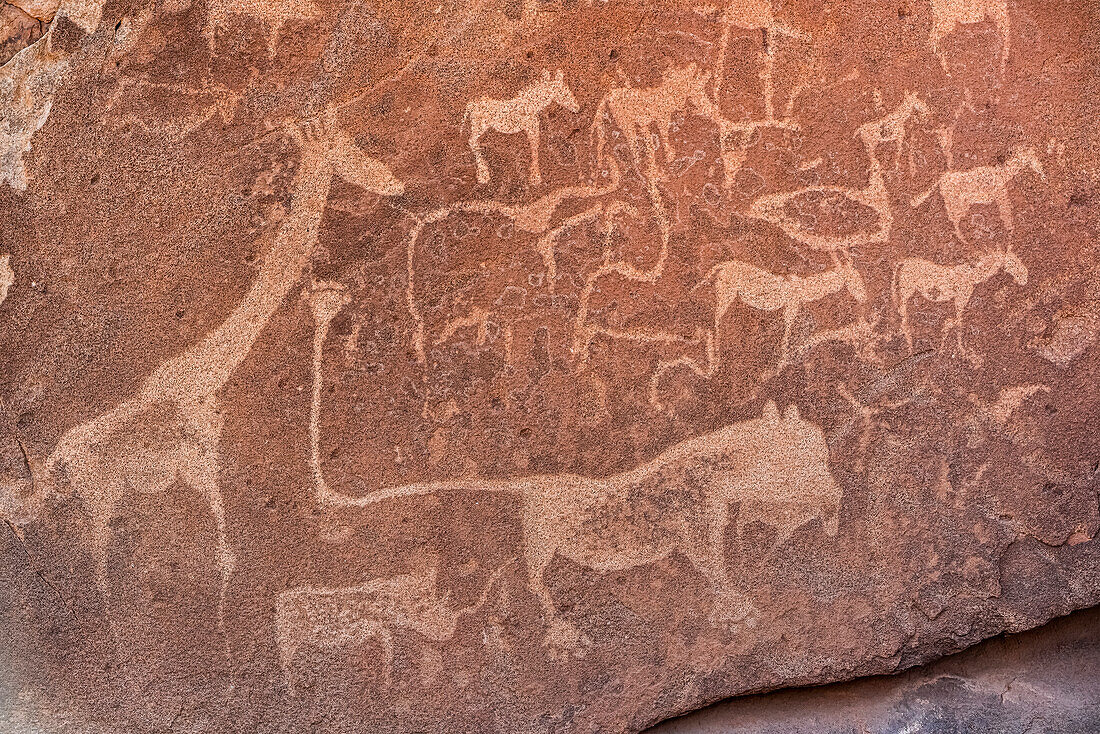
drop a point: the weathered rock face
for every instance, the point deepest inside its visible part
(533, 366)
(1047, 679)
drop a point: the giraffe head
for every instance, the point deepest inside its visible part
(915, 104)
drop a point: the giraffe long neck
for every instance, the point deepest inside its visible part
(205, 367)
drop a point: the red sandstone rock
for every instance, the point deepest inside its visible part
(535, 366)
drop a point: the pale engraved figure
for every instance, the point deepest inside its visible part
(170, 431)
(348, 616)
(518, 114)
(949, 283)
(947, 14)
(963, 190)
(776, 468)
(892, 127)
(7, 276)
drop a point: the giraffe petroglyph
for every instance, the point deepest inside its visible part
(775, 468)
(518, 114)
(962, 190)
(169, 432)
(947, 14)
(348, 616)
(944, 283)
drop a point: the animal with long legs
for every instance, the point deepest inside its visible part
(949, 283)
(518, 114)
(963, 190)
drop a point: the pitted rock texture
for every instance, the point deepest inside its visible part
(1042, 680)
(535, 366)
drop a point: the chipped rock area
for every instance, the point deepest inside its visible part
(521, 366)
(1043, 680)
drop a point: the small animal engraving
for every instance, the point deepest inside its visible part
(518, 114)
(944, 283)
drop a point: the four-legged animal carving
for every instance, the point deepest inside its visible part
(775, 467)
(634, 110)
(351, 615)
(947, 14)
(943, 283)
(519, 114)
(962, 190)
(735, 281)
(891, 128)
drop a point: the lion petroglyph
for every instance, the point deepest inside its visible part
(169, 432)
(348, 616)
(775, 468)
(948, 14)
(518, 114)
(963, 190)
(943, 283)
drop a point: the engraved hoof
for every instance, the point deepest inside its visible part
(564, 641)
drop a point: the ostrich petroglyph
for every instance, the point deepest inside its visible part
(949, 283)
(169, 432)
(518, 114)
(963, 190)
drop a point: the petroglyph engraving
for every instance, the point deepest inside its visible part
(272, 14)
(518, 114)
(1009, 400)
(735, 281)
(775, 209)
(962, 190)
(948, 14)
(634, 111)
(892, 128)
(348, 616)
(169, 432)
(7, 276)
(954, 283)
(776, 468)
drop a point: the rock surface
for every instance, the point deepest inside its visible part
(535, 366)
(1044, 680)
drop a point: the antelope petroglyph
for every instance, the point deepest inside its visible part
(948, 14)
(518, 114)
(944, 283)
(893, 127)
(348, 616)
(169, 432)
(736, 281)
(775, 468)
(962, 190)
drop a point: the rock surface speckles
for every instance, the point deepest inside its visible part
(535, 366)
